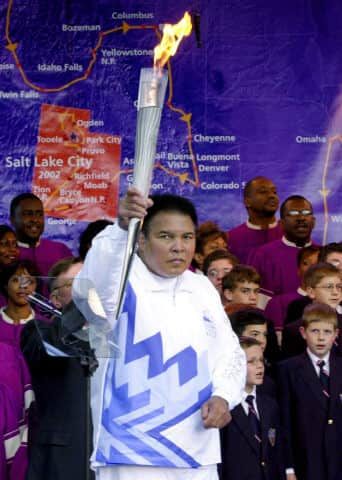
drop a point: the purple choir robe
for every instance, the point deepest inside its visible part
(15, 399)
(13, 368)
(276, 262)
(44, 255)
(243, 240)
(10, 333)
(276, 308)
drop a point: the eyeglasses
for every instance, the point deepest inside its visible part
(331, 287)
(22, 280)
(295, 213)
(215, 273)
(67, 284)
(336, 263)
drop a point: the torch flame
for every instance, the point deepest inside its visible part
(172, 36)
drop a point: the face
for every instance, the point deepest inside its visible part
(255, 366)
(306, 262)
(214, 243)
(245, 292)
(28, 220)
(262, 197)
(328, 290)
(319, 337)
(335, 258)
(61, 293)
(259, 332)
(19, 286)
(298, 221)
(9, 251)
(217, 270)
(169, 245)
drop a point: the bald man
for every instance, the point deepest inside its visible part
(261, 202)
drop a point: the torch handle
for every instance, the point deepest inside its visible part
(134, 228)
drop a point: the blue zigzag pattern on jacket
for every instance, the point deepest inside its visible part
(121, 403)
(152, 348)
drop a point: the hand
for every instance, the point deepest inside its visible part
(291, 476)
(215, 413)
(132, 205)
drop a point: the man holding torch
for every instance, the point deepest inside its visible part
(158, 405)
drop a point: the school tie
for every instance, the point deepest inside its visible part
(253, 418)
(323, 377)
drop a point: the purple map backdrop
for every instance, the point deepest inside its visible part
(260, 96)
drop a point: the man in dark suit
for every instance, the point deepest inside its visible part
(252, 444)
(310, 392)
(61, 432)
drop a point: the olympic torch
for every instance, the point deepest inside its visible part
(152, 88)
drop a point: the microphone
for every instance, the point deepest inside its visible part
(43, 303)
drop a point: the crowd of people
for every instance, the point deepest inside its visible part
(238, 332)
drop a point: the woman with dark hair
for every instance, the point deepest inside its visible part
(17, 281)
(9, 250)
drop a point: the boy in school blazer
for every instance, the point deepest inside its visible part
(310, 393)
(251, 443)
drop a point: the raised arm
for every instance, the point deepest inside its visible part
(102, 267)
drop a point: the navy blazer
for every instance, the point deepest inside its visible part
(311, 422)
(242, 457)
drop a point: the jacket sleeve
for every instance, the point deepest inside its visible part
(96, 286)
(229, 374)
(227, 359)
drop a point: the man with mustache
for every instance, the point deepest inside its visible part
(261, 202)
(276, 262)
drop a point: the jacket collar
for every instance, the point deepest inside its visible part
(154, 283)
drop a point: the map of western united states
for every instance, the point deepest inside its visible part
(255, 92)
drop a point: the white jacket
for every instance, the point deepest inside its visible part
(177, 349)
